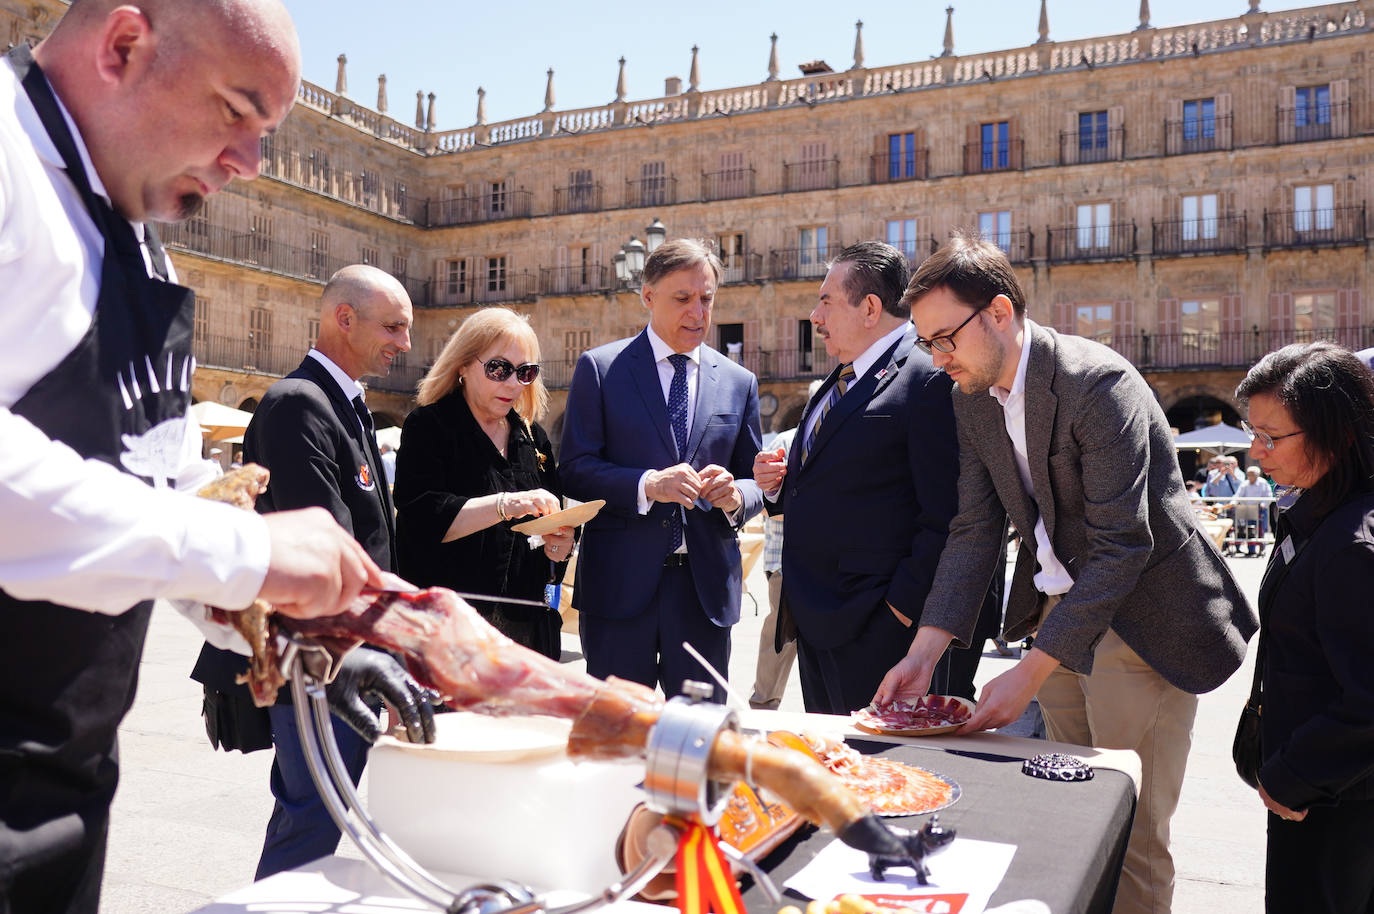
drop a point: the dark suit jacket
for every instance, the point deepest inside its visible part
(868, 512)
(615, 428)
(307, 435)
(1108, 486)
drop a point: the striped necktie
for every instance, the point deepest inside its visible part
(841, 385)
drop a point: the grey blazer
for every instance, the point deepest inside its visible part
(1108, 486)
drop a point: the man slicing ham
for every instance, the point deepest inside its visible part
(124, 114)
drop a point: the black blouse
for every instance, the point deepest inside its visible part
(445, 459)
(1317, 717)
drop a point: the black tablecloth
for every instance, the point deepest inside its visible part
(1069, 837)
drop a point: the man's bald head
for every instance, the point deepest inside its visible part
(172, 97)
(365, 320)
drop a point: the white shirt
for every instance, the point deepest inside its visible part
(1257, 489)
(80, 532)
(1053, 577)
(862, 365)
(350, 388)
(665, 379)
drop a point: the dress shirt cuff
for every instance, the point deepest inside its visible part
(224, 554)
(642, 499)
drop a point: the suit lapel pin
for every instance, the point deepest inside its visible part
(881, 374)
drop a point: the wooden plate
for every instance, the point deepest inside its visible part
(918, 731)
(568, 517)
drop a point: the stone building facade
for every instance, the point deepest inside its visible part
(1193, 196)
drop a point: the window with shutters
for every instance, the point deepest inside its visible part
(730, 340)
(198, 231)
(1314, 208)
(370, 256)
(200, 328)
(456, 278)
(399, 265)
(319, 171)
(1199, 217)
(1312, 112)
(575, 342)
(814, 250)
(1094, 226)
(806, 353)
(653, 184)
(1092, 136)
(312, 331)
(371, 184)
(1093, 322)
(813, 170)
(259, 337)
(496, 274)
(319, 255)
(901, 234)
(581, 190)
(1199, 124)
(259, 239)
(730, 247)
(398, 196)
(901, 156)
(497, 200)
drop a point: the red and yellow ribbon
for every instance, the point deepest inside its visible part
(705, 882)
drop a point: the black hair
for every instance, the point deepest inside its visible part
(877, 269)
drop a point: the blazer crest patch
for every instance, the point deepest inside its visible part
(364, 478)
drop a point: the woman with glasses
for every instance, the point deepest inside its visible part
(1311, 415)
(473, 461)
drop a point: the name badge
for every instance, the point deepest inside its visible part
(1286, 549)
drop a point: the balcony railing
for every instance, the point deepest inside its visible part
(818, 174)
(1303, 228)
(575, 280)
(1018, 246)
(656, 191)
(742, 267)
(509, 204)
(727, 185)
(480, 290)
(1202, 135)
(912, 166)
(997, 156)
(802, 263)
(1073, 243)
(1313, 122)
(577, 198)
(247, 353)
(1226, 349)
(1224, 234)
(402, 379)
(341, 177)
(917, 250)
(1077, 147)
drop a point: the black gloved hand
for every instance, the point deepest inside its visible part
(376, 673)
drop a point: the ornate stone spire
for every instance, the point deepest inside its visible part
(1144, 15)
(1044, 23)
(620, 82)
(430, 121)
(949, 32)
(694, 75)
(481, 106)
(773, 59)
(548, 92)
(859, 45)
(1254, 6)
(381, 94)
(341, 81)
(419, 109)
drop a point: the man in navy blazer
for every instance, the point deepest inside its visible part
(868, 488)
(665, 429)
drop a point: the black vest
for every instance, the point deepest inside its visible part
(120, 396)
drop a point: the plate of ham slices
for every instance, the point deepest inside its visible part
(929, 715)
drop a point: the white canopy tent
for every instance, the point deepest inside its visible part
(1221, 438)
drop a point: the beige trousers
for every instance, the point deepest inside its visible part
(1125, 704)
(773, 668)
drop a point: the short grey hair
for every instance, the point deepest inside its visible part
(680, 253)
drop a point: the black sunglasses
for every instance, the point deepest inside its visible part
(499, 369)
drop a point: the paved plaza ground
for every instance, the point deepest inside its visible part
(188, 821)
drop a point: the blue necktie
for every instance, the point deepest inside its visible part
(833, 397)
(677, 416)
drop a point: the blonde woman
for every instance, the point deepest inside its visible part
(473, 461)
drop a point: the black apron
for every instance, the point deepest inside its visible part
(120, 396)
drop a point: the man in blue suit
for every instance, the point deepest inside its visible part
(868, 486)
(665, 429)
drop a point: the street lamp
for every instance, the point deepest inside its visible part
(656, 233)
(629, 260)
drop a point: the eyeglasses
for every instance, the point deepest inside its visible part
(1262, 438)
(499, 369)
(945, 342)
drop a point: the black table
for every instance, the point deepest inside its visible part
(1070, 837)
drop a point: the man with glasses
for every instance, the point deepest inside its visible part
(314, 432)
(1134, 611)
(868, 486)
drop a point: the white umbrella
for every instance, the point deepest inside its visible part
(390, 435)
(1220, 437)
(219, 422)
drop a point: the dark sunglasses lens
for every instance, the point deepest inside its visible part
(499, 369)
(526, 374)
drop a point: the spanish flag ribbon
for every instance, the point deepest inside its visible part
(705, 882)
